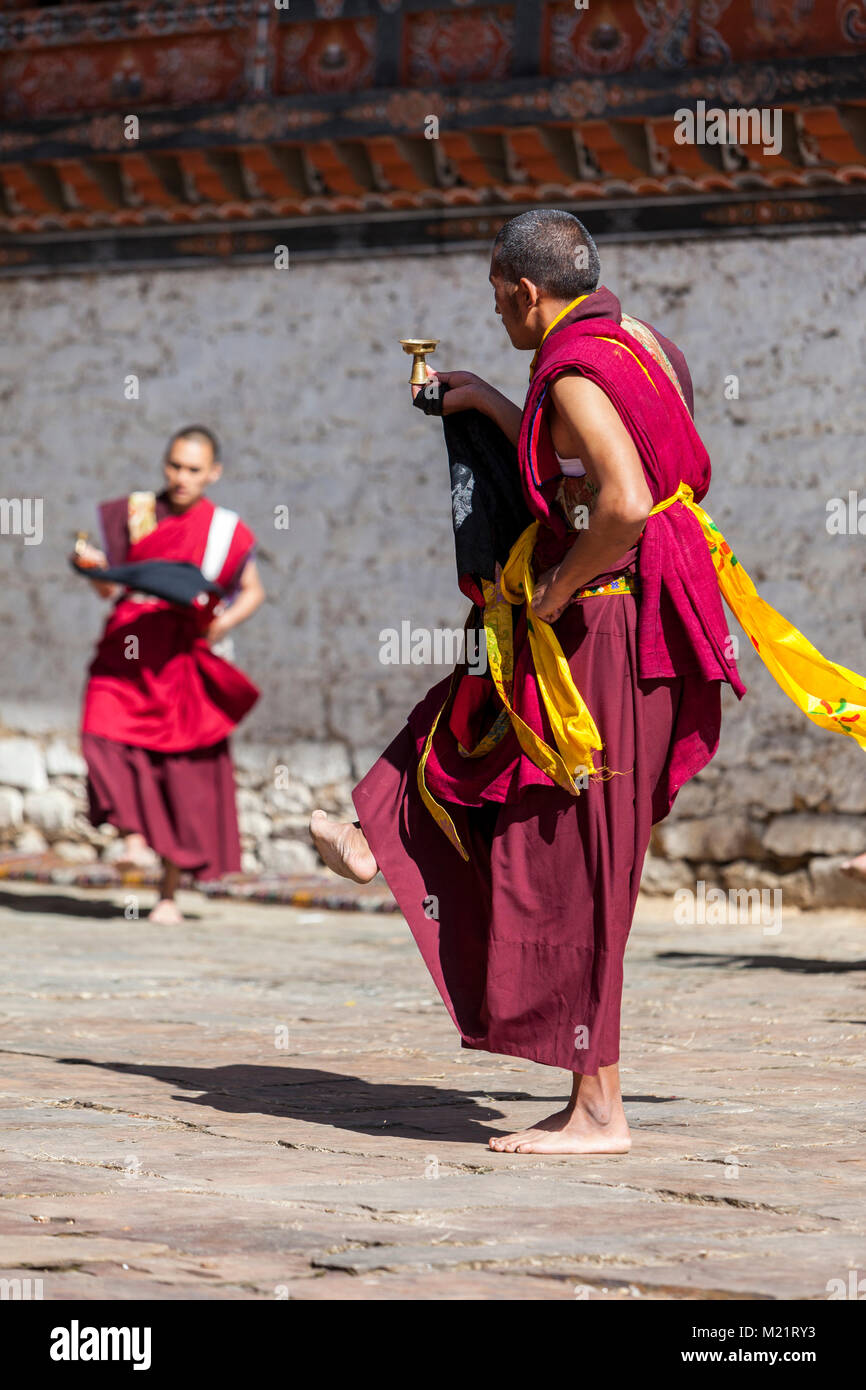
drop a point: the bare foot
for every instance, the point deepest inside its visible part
(344, 848)
(855, 868)
(136, 853)
(167, 913)
(569, 1131)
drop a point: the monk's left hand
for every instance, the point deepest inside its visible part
(549, 600)
(217, 631)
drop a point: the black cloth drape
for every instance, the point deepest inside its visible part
(174, 580)
(487, 504)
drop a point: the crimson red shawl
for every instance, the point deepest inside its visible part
(166, 690)
(682, 628)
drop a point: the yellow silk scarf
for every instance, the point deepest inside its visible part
(573, 726)
(828, 694)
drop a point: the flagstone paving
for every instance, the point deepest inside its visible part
(270, 1103)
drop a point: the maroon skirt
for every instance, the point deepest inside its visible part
(182, 803)
(526, 941)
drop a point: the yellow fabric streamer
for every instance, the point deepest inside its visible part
(573, 726)
(439, 814)
(830, 695)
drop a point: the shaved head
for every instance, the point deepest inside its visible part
(199, 434)
(551, 248)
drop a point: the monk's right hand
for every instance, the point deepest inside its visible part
(90, 557)
(464, 390)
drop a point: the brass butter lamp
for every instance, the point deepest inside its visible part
(419, 348)
(82, 541)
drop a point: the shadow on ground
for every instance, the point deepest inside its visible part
(61, 905)
(58, 904)
(330, 1098)
(799, 965)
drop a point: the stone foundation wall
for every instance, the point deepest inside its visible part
(786, 822)
(43, 801)
(777, 827)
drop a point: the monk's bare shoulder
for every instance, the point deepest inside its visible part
(571, 391)
(585, 421)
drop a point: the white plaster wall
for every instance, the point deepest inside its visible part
(301, 375)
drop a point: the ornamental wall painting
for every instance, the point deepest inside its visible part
(762, 30)
(615, 35)
(444, 47)
(852, 19)
(775, 24)
(60, 25)
(774, 28)
(249, 111)
(710, 46)
(612, 36)
(177, 72)
(583, 41)
(338, 57)
(669, 26)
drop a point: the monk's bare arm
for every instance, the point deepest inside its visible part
(501, 410)
(251, 595)
(589, 427)
(466, 391)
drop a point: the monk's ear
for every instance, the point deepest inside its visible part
(529, 293)
(216, 472)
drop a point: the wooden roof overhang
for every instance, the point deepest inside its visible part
(342, 164)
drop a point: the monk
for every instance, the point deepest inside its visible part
(517, 870)
(160, 700)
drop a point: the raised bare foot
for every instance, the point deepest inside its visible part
(167, 913)
(855, 868)
(569, 1131)
(344, 848)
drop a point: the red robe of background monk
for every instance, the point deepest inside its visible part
(160, 700)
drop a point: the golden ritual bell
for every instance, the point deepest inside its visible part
(419, 347)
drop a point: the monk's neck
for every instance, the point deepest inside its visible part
(176, 509)
(549, 312)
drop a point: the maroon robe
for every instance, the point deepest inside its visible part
(525, 940)
(155, 728)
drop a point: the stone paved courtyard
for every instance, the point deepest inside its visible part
(269, 1103)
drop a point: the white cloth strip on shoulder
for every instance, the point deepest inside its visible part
(219, 539)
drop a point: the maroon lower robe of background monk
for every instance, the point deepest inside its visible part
(182, 803)
(525, 940)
